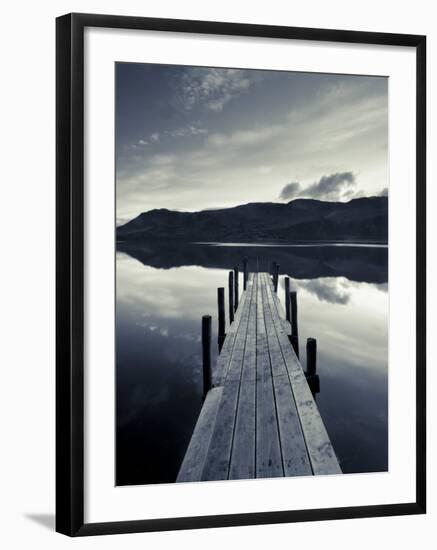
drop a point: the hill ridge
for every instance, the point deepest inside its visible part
(364, 218)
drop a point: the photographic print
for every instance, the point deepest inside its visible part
(224, 194)
(251, 274)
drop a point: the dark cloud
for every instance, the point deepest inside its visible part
(330, 187)
(352, 194)
(333, 187)
(290, 191)
(238, 130)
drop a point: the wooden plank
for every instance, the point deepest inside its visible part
(295, 457)
(268, 450)
(320, 450)
(263, 421)
(219, 453)
(276, 359)
(235, 364)
(286, 325)
(242, 464)
(293, 447)
(194, 460)
(218, 456)
(228, 345)
(249, 364)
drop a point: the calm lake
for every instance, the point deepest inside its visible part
(162, 293)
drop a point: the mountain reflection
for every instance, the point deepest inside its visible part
(356, 263)
(162, 293)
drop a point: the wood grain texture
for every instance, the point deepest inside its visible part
(226, 352)
(293, 447)
(320, 450)
(194, 460)
(265, 422)
(219, 453)
(243, 450)
(268, 449)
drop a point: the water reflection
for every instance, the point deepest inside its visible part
(356, 263)
(162, 294)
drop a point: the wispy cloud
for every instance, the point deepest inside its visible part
(331, 146)
(187, 131)
(213, 88)
(181, 132)
(244, 138)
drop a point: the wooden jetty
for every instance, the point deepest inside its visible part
(259, 418)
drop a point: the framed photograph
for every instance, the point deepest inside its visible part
(240, 274)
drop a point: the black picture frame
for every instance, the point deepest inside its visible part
(70, 273)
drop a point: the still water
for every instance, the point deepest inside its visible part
(162, 293)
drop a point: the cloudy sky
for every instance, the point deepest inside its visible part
(191, 138)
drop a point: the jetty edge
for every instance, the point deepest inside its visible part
(259, 417)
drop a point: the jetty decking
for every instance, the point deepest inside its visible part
(259, 419)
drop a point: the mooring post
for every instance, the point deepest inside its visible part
(311, 372)
(295, 344)
(311, 356)
(276, 278)
(287, 298)
(236, 288)
(273, 269)
(221, 317)
(206, 353)
(245, 274)
(231, 297)
(294, 328)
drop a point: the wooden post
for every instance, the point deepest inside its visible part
(295, 344)
(311, 372)
(287, 298)
(293, 320)
(236, 288)
(311, 356)
(231, 297)
(206, 353)
(314, 384)
(272, 269)
(276, 277)
(245, 274)
(221, 316)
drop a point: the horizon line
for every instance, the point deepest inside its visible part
(217, 208)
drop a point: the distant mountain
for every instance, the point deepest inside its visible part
(364, 219)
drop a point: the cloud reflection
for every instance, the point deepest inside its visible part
(159, 371)
(332, 290)
(177, 293)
